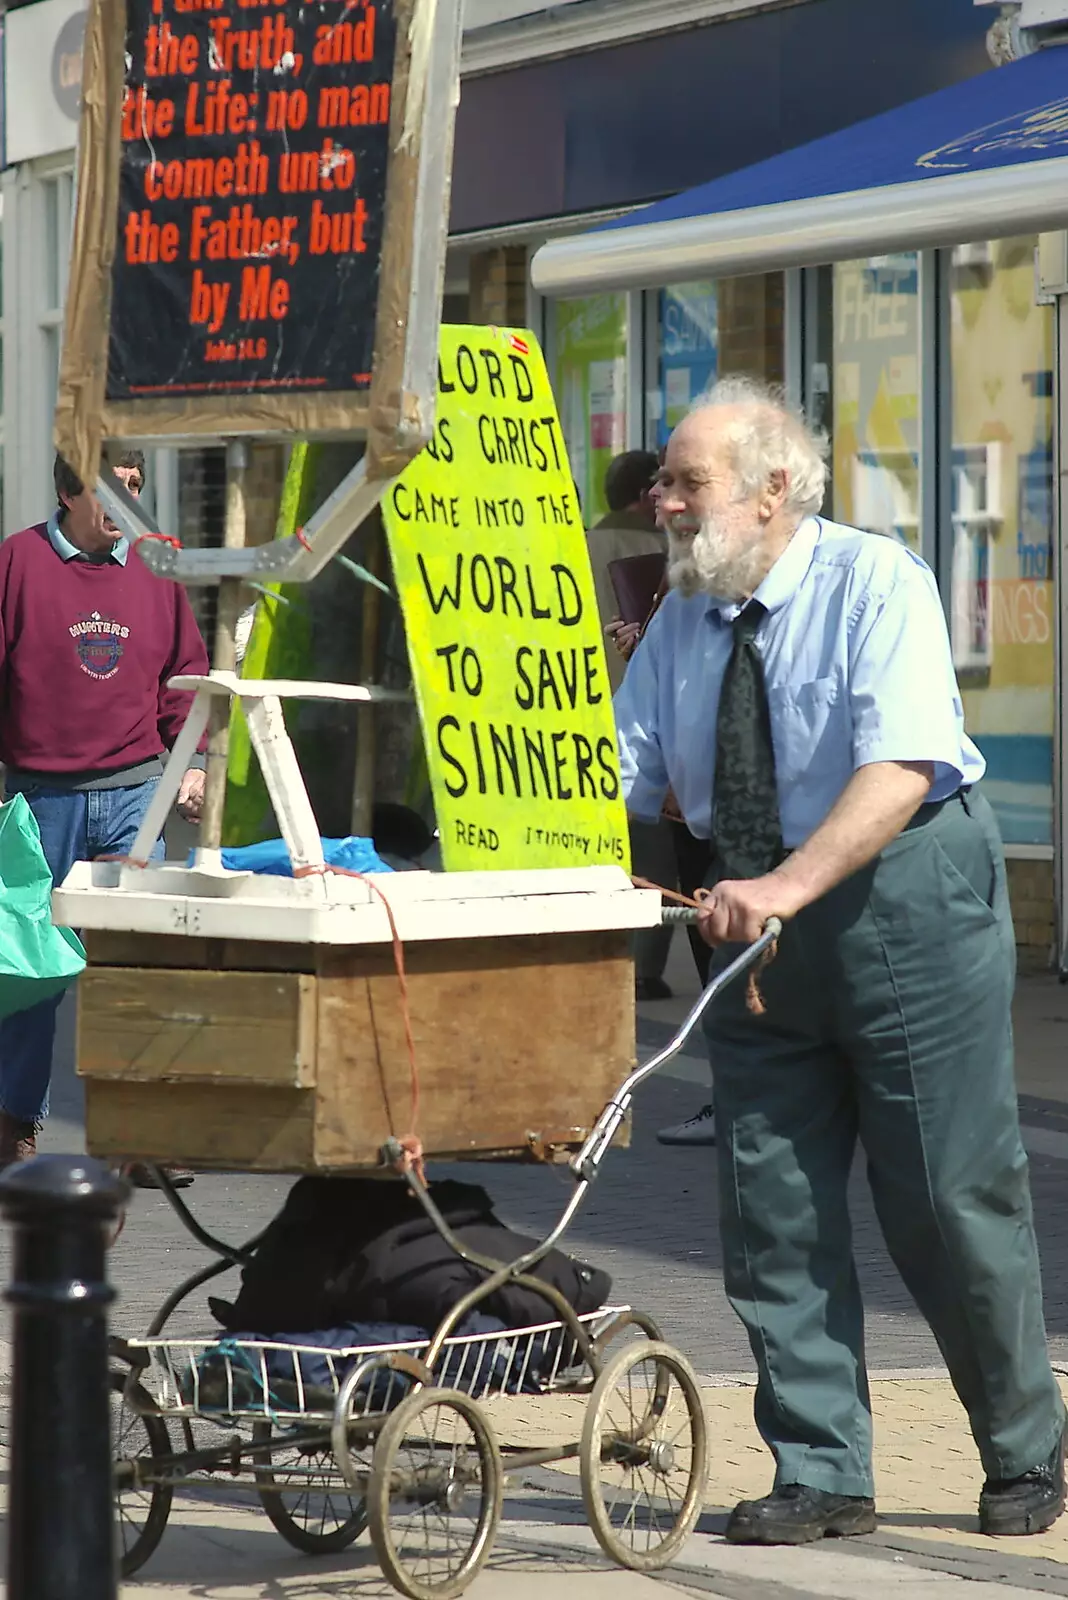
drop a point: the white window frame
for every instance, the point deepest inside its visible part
(35, 325)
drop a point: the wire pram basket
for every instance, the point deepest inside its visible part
(253, 1379)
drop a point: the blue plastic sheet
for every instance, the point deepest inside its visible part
(271, 856)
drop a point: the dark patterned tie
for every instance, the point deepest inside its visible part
(746, 830)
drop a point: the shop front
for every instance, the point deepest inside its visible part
(928, 350)
(922, 350)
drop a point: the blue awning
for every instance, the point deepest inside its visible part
(983, 159)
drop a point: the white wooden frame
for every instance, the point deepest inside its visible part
(261, 701)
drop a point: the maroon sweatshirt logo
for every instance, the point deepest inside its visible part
(99, 643)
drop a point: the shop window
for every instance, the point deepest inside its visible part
(874, 380)
(589, 368)
(702, 330)
(685, 360)
(1001, 503)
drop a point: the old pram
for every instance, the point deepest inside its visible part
(397, 1438)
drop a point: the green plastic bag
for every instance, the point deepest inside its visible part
(37, 959)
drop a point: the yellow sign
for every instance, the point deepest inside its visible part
(489, 556)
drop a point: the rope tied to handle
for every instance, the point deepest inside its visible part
(754, 999)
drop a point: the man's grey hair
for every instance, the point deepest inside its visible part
(771, 437)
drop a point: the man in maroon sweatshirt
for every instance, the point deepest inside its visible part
(88, 639)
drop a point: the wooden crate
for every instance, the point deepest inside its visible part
(292, 1058)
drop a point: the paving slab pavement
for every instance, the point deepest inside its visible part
(220, 1547)
(651, 1222)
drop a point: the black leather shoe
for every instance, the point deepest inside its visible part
(796, 1514)
(1027, 1504)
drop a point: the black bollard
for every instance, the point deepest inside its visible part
(61, 1536)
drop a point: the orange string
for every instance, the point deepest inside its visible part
(669, 894)
(410, 1143)
(302, 539)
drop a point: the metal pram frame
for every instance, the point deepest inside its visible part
(398, 1439)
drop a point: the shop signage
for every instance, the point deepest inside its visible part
(42, 77)
(1040, 132)
(233, 217)
(491, 566)
(67, 65)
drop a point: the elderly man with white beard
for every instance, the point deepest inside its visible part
(796, 693)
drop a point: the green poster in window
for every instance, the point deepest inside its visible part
(590, 374)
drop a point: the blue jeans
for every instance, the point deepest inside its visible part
(75, 825)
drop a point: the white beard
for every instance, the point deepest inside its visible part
(682, 573)
(721, 559)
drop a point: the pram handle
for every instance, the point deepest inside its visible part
(585, 1164)
(674, 916)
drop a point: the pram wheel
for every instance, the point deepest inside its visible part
(631, 1325)
(644, 1455)
(139, 1441)
(305, 1496)
(434, 1499)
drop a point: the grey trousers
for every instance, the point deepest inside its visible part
(888, 1020)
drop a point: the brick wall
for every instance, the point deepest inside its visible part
(1031, 895)
(498, 287)
(751, 326)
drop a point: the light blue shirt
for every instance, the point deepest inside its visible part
(858, 669)
(67, 551)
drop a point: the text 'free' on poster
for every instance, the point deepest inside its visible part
(490, 560)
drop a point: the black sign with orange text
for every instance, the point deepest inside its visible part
(251, 196)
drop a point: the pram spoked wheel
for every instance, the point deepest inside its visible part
(305, 1496)
(644, 1455)
(434, 1499)
(139, 1442)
